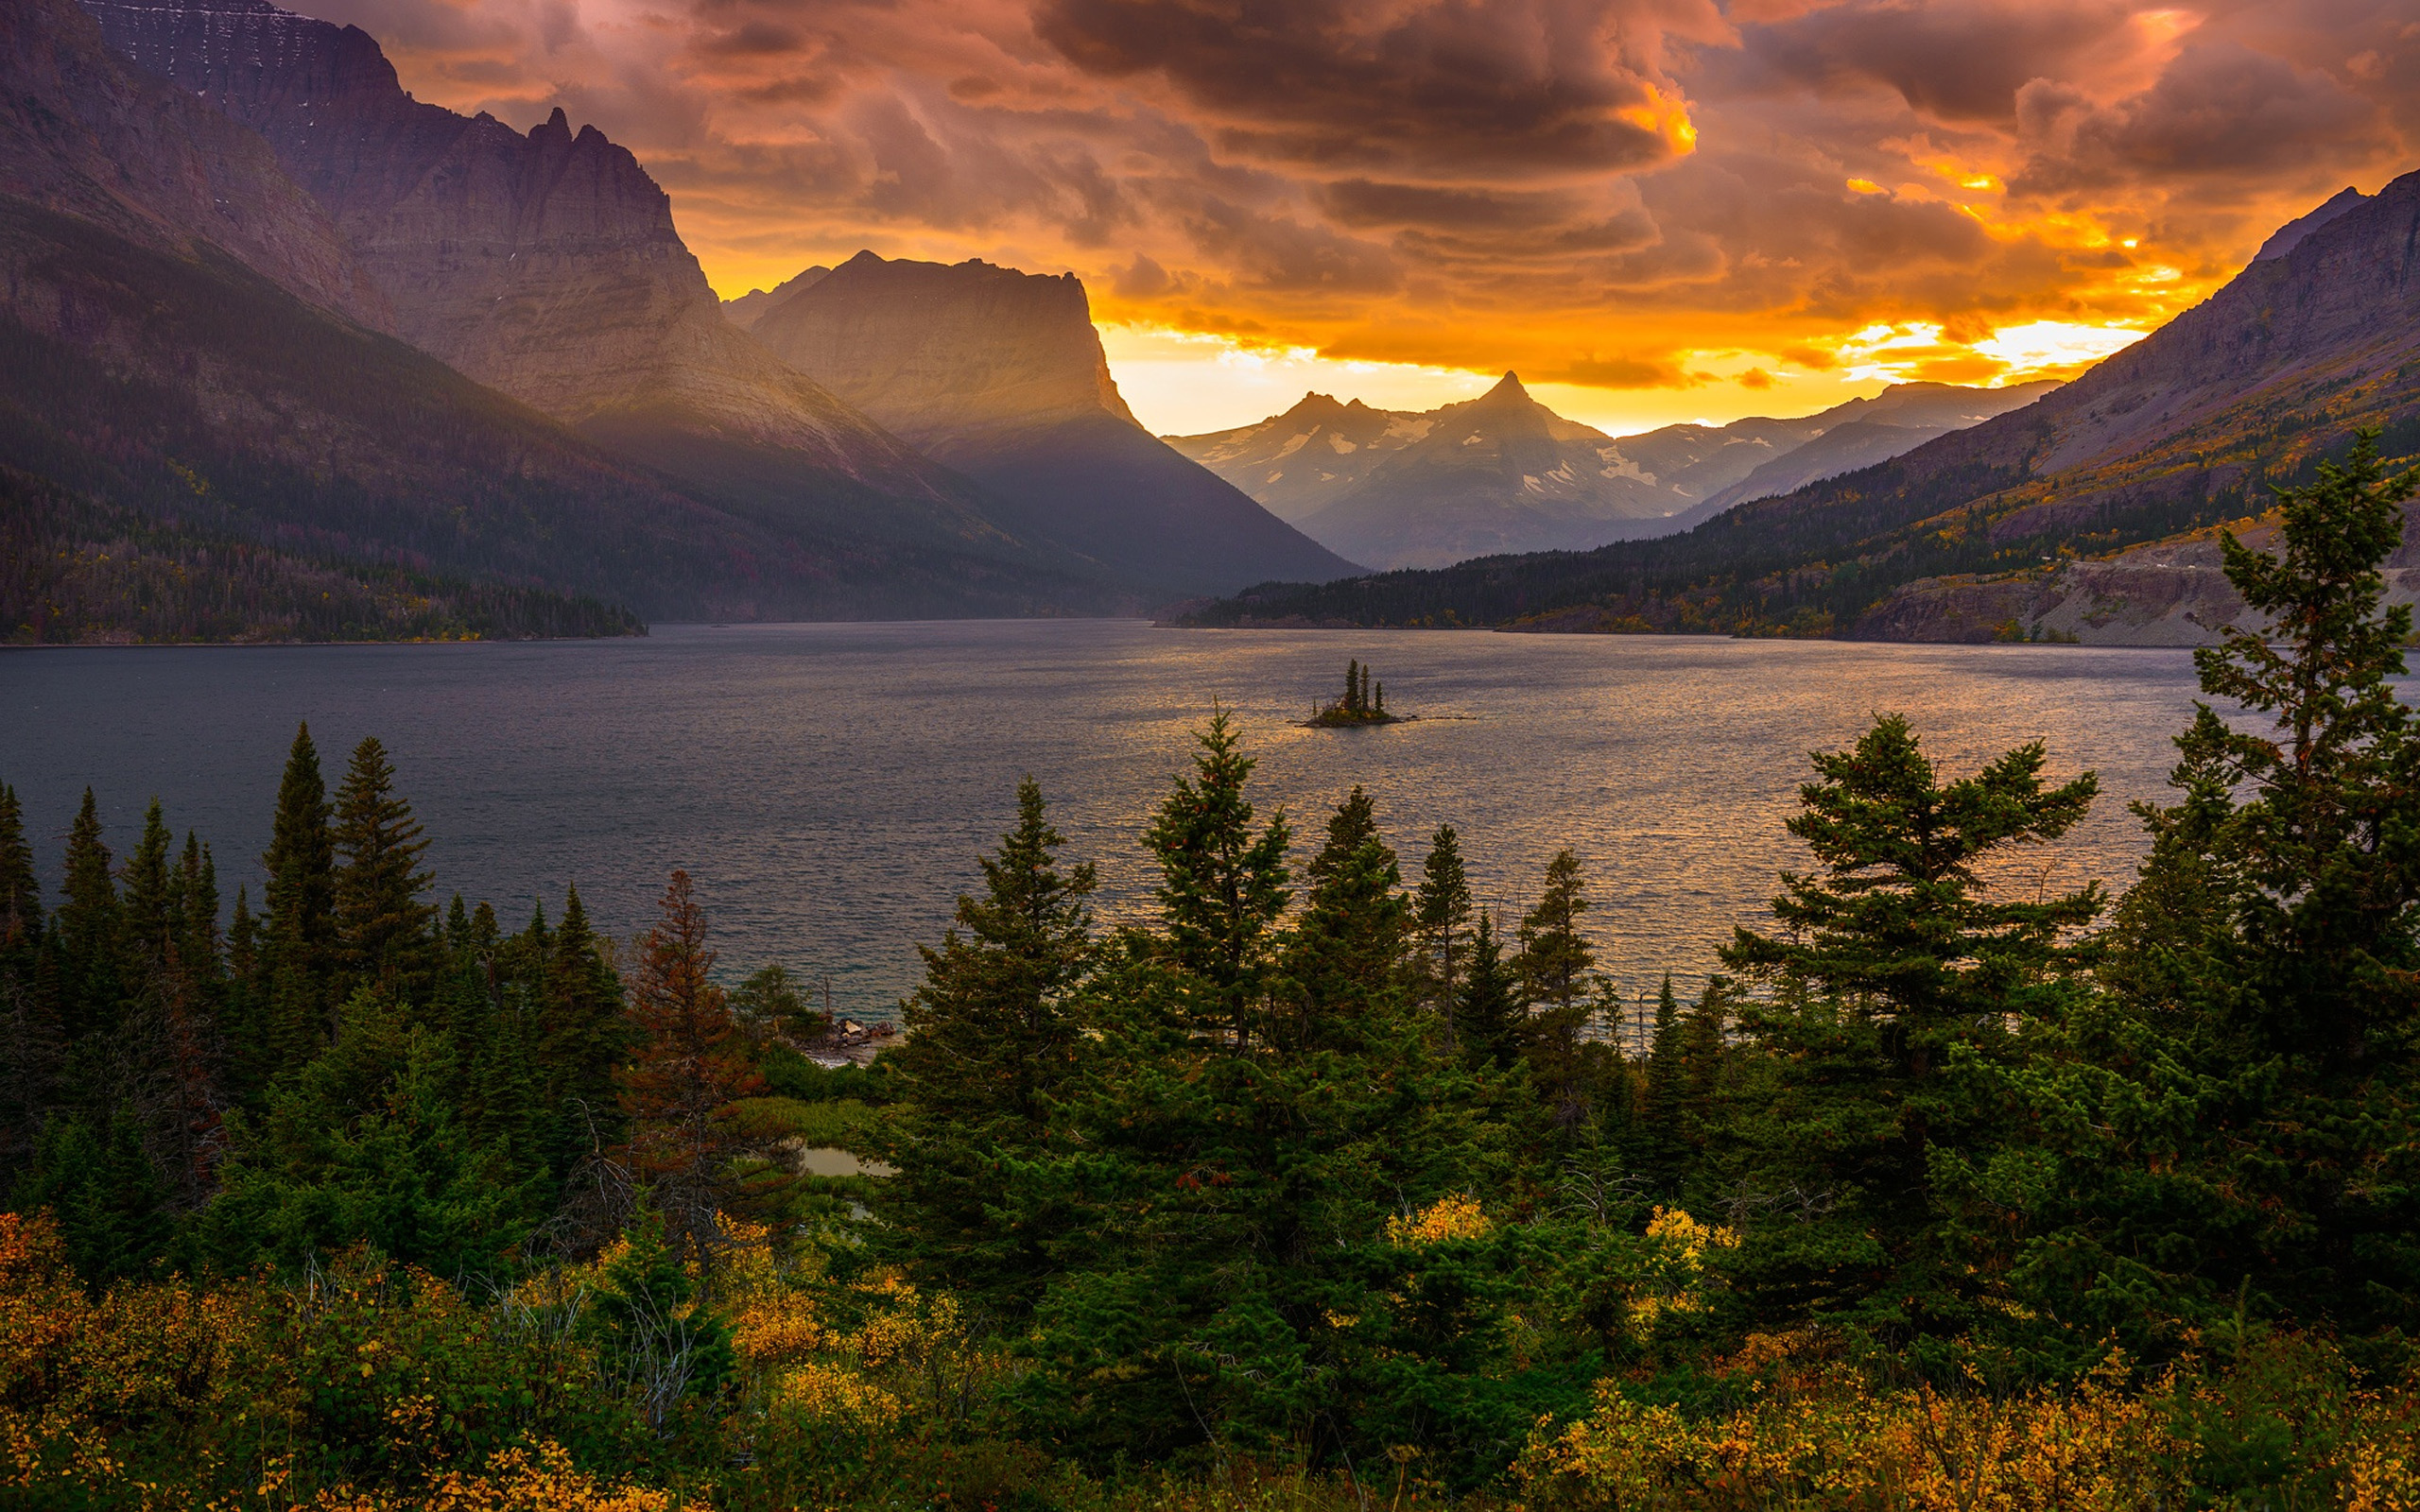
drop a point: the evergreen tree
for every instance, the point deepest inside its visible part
(1221, 888)
(1665, 1141)
(583, 1040)
(151, 918)
(1554, 969)
(28, 1000)
(195, 925)
(1441, 919)
(2232, 1130)
(1345, 960)
(296, 957)
(368, 1144)
(105, 1194)
(774, 1007)
(1898, 972)
(991, 1044)
(243, 1014)
(382, 926)
(20, 891)
(1488, 1010)
(87, 929)
(691, 1064)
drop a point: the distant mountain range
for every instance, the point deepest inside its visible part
(1503, 474)
(259, 302)
(2026, 523)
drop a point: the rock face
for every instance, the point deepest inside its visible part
(545, 266)
(999, 374)
(81, 133)
(186, 339)
(1505, 473)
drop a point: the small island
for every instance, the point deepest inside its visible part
(1359, 705)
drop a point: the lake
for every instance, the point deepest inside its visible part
(830, 786)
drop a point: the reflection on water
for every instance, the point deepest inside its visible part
(830, 785)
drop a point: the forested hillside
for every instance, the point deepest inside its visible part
(78, 573)
(1316, 1184)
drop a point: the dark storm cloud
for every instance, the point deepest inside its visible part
(2220, 110)
(1598, 191)
(1952, 61)
(1511, 86)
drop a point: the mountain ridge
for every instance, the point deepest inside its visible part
(1392, 488)
(2179, 431)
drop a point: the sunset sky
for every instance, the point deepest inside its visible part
(1654, 210)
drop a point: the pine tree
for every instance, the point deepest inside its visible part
(2229, 1131)
(1221, 888)
(1554, 969)
(1661, 1104)
(690, 1065)
(1898, 967)
(28, 998)
(1345, 960)
(151, 917)
(382, 926)
(88, 930)
(1487, 1012)
(198, 944)
(583, 1040)
(1441, 918)
(296, 958)
(20, 891)
(991, 1046)
(243, 1012)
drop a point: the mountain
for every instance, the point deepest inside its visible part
(81, 136)
(2182, 431)
(1000, 375)
(546, 265)
(183, 372)
(1864, 432)
(1504, 474)
(743, 311)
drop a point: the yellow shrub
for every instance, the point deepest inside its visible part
(513, 1481)
(1451, 1218)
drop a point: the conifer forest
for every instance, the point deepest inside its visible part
(1315, 1186)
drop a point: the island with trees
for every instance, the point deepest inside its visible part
(1361, 703)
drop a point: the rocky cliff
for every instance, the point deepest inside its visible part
(82, 134)
(544, 265)
(949, 357)
(172, 329)
(999, 374)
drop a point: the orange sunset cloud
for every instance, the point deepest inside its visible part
(1653, 209)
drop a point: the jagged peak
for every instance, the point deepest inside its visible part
(1313, 405)
(1508, 388)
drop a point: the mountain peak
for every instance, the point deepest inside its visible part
(1315, 405)
(1509, 388)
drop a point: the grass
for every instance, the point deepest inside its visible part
(818, 1126)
